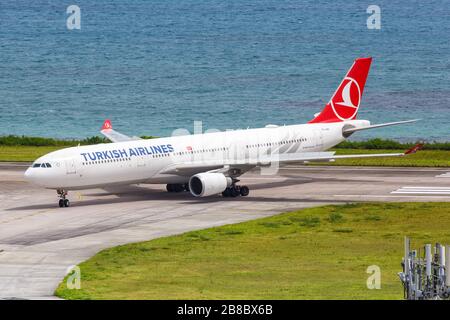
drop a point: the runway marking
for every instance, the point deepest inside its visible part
(423, 190)
(444, 175)
(385, 196)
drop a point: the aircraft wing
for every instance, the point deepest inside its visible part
(189, 169)
(239, 166)
(113, 135)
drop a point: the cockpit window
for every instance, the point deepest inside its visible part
(41, 165)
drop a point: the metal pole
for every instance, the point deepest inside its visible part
(447, 265)
(406, 257)
(441, 260)
(428, 260)
(408, 278)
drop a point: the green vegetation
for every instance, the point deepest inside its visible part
(316, 253)
(12, 140)
(434, 154)
(15, 141)
(388, 144)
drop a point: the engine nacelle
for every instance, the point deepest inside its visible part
(208, 183)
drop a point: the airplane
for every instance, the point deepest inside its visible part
(210, 164)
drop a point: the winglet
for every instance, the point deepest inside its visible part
(107, 124)
(414, 149)
(114, 136)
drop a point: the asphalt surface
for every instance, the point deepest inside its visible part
(39, 241)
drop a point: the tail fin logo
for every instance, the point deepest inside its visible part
(345, 102)
(107, 125)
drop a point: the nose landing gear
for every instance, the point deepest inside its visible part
(63, 201)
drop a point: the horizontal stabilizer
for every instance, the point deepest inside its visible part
(354, 129)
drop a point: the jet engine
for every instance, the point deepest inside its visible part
(208, 183)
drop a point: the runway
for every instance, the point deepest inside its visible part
(39, 240)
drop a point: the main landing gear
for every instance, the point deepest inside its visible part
(177, 187)
(235, 190)
(63, 201)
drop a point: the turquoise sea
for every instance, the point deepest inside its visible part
(158, 65)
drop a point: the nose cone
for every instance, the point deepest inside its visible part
(35, 176)
(28, 175)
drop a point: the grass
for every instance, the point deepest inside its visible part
(388, 144)
(316, 253)
(24, 153)
(13, 140)
(423, 158)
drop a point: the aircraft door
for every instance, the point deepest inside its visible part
(140, 161)
(318, 135)
(71, 167)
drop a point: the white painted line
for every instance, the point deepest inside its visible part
(444, 175)
(423, 190)
(383, 196)
(445, 188)
(420, 192)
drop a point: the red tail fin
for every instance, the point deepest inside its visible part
(345, 101)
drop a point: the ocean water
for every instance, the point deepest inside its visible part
(155, 66)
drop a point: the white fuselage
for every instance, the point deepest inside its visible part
(141, 161)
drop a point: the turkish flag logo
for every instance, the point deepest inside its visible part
(346, 100)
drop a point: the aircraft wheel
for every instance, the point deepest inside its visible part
(178, 187)
(61, 203)
(234, 192)
(226, 192)
(66, 203)
(244, 191)
(169, 187)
